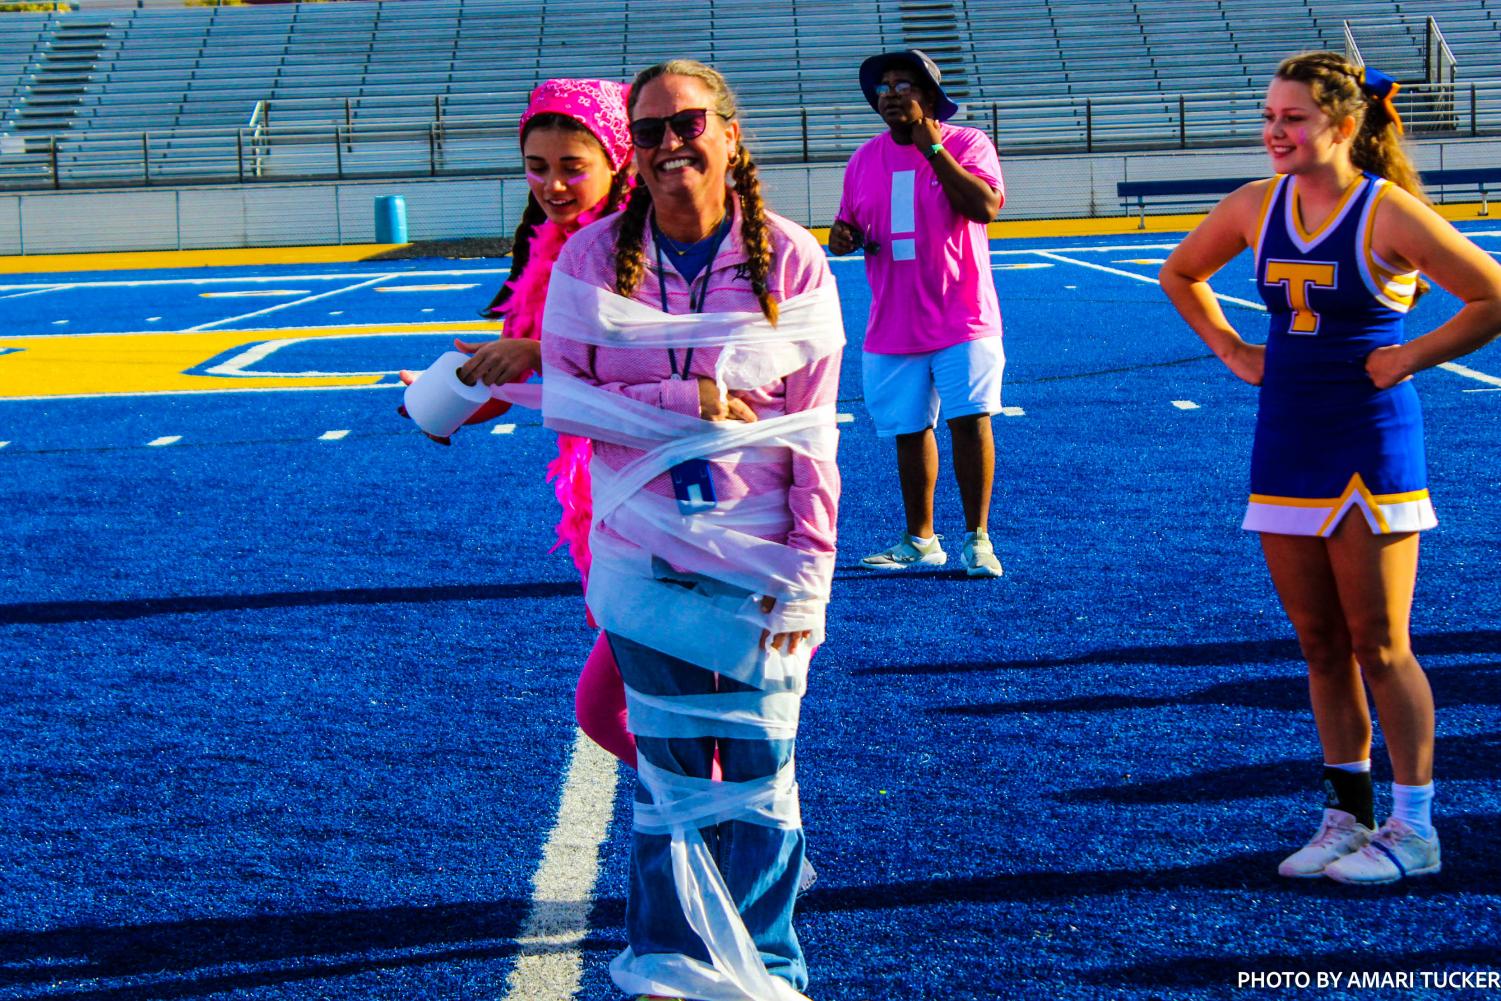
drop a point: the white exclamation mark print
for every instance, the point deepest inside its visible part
(903, 215)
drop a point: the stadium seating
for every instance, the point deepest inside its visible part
(1040, 74)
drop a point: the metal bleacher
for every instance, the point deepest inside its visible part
(208, 66)
(1040, 67)
(150, 93)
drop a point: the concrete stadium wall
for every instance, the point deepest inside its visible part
(269, 214)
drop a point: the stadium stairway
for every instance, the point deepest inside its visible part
(52, 88)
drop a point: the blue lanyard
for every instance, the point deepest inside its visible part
(701, 290)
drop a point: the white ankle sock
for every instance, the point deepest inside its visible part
(1413, 805)
(1353, 767)
(920, 542)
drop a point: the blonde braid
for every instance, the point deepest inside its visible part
(755, 234)
(620, 188)
(630, 257)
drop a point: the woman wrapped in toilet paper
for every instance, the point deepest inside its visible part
(696, 339)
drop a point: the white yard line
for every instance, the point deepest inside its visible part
(1448, 366)
(36, 291)
(168, 439)
(295, 302)
(1135, 276)
(1185, 405)
(550, 962)
(504, 429)
(236, 365)
(1470, 373)
(1117, 249)
(333, 435)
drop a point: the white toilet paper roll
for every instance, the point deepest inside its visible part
(438, 401)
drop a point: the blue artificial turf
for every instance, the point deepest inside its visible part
(287, 718)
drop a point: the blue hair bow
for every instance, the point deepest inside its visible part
(1381, 88)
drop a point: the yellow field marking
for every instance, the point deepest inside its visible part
(158, 361)
(251, 293)
(423, 288)
(228, 258)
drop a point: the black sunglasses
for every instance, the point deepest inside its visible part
(648, 133)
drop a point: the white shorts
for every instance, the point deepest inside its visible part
(903, 392)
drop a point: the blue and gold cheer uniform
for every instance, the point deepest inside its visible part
(1327, 439)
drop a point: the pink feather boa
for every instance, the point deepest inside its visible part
(569, 472)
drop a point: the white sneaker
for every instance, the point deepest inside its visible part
(906, 554)
(979, 556)
(1338, 836)
(1394, 852)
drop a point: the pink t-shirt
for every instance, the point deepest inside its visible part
(929, 277)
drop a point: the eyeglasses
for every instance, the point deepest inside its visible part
(648, 133)
(901, 87)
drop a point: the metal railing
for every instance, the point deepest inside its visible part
(352, 141)
(1439, 64)
(1352, 50)
(256, 130)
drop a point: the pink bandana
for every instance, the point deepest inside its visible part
(598, 105)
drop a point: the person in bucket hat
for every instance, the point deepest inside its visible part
(873, 68)
(916, 200)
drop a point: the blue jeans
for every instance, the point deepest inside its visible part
(761, 865)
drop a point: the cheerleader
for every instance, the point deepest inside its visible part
(1339, 488)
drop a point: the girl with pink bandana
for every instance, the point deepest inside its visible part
(575, 140)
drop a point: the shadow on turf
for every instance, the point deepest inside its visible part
(859, 571)
(1471, 867)
(1452, 686)
(1467, 758)
(48, 612)
(1479, 641)
(196, 957)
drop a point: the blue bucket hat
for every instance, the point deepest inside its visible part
(872, 69)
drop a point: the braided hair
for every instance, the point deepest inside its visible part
(755, 233)
(1336, 85)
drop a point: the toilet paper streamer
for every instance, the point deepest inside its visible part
(439, 401)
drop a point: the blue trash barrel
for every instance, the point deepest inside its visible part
(390, 219)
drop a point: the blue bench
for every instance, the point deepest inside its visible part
(1483, 179)
(1202, 191)
(1187, 193)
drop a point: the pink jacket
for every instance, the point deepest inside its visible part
(798, 265)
